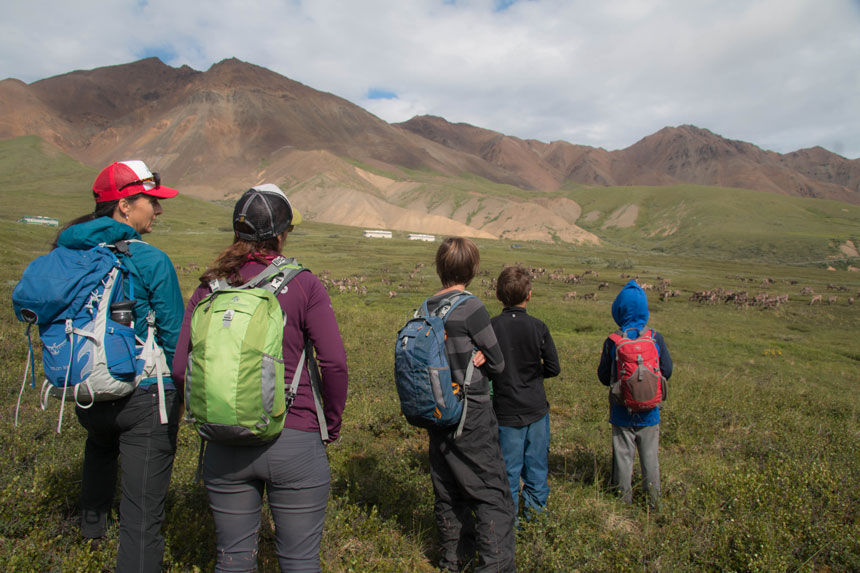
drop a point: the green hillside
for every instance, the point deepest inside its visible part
(722, 223)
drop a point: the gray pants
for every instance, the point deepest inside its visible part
(625, 441)
(293, 470)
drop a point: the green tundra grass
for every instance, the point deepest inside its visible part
(760, 434)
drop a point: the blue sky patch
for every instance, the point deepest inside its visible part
(377, 93)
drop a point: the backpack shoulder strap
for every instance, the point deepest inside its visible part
(218, 284)
(316, 384)
(293, 388)
(121, 246)
(616, 336)
(307, 358)
(422, 310)
(277, 275)
(290, 271)
(124, 262)
(640, 331)
(450, 303)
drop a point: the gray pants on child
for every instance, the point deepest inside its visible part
(625, 441)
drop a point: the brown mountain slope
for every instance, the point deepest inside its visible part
(511, 154)
(22, 112)
(693, 155)
(673, 155)
(200, 127)
(822, 165)
(215, 133)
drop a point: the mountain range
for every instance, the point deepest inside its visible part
(213, 134)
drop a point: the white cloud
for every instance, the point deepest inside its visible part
(782, 74)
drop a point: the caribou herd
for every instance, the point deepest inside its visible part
(588, 280)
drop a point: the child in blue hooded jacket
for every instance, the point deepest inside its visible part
(632, 430)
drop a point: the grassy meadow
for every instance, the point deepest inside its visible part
(760, 434)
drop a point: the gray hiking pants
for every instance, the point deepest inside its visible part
(128, 433)
(625, 441)
(293, 470)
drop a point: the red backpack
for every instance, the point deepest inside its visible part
(637, 382)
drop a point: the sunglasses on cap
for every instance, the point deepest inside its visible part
(156, 178)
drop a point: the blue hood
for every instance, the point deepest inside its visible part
(91, 233)
(630, 309)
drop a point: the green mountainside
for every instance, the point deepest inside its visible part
(720, 223)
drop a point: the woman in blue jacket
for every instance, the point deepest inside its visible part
(130, 429)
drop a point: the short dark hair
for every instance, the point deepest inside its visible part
(457, 261)
(513, 285)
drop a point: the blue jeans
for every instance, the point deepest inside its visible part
(526, 452)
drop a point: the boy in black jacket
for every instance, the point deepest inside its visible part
(519, 399)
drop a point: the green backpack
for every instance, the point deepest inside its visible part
(234, 387)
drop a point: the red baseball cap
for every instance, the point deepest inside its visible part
(127, 178)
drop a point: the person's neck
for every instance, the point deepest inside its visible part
(451, 288)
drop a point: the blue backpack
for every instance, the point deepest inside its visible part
(89, 350)
(429, 397)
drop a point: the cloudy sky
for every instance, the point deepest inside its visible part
(782, 74)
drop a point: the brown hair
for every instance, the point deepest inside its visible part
(104, 209)
(513, 285)
(227, 264)
(457, 261)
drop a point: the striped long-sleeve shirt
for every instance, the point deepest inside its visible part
(468, 327)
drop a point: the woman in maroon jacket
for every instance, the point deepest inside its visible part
(293, 469)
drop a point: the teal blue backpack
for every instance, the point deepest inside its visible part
(87, 355)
